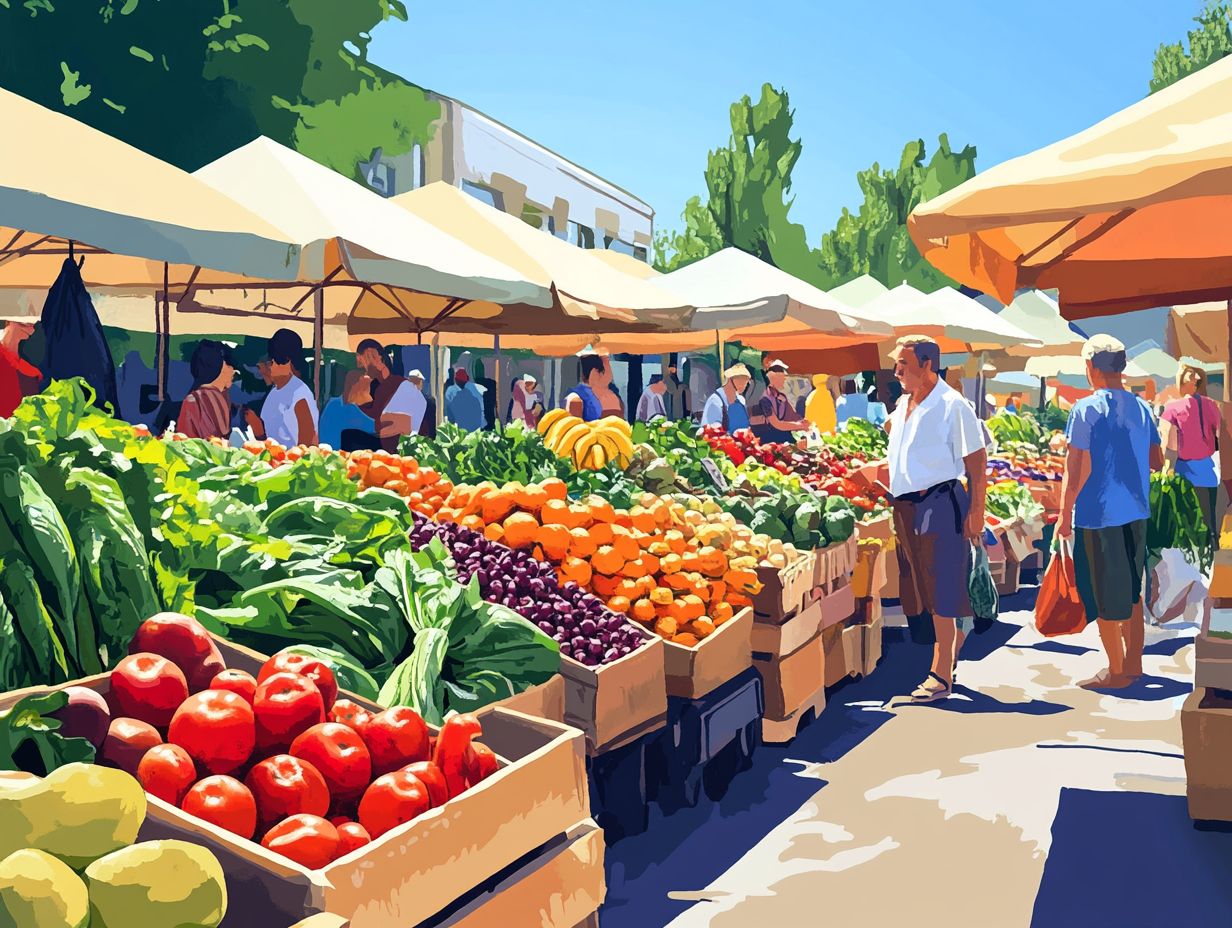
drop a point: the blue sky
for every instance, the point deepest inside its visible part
(638, 91)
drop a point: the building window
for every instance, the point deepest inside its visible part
(640, 252)
(580, 235)
(417, 166)
(484, 194)
(615, 244)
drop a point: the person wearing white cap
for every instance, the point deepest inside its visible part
(18, 377)
(726, 406)
(524, 403)
(775, 419)
(405, 412)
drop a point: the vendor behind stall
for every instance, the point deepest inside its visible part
(18, 377)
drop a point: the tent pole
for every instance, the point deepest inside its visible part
(318, 336)
(158, 347)
(718, 350)
(496, 367)
(1043, 403)
(164, 337)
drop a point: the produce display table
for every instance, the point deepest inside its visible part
(706, 743)
(692, 672)
(615, 703)
(620, 787)
(415, 871)
(794, 686)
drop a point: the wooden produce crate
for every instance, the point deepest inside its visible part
(872, 643)
(869, 576)
(721, 656)
(794, 688)
(882, 529)
(779, 639)
(836, 561)
(867, 611)
(545, 701)
(1006, 576)
(1206, 731)
(834, 654)
(784, 590)
(838, 604)
(1213, 657)
(561, 887)
(616, 703)
(321, 920)
(413, 872)
(853, 650)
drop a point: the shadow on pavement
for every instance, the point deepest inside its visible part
(1132, 860)
(1151, 689)
(969, 701)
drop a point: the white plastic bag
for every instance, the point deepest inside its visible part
(1177, 589)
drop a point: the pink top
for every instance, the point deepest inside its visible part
(1195, 433)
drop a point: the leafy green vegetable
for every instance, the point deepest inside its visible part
(1008, 499)
(859, 438)
(513, 454)
(1176, 521)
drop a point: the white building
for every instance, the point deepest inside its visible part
(506, 169)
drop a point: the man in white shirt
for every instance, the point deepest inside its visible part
(405, 411)
(935, 440)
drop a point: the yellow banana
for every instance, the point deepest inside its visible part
(549, 417)
(604, 440)
(564, 446)
(553, 438)
(624, 445)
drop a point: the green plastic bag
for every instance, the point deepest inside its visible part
(981, 589)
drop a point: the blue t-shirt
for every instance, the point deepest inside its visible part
(464, 406)
(337, 417)
(1118, 430)
(737, 412)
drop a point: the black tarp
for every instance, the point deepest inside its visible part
(76, 345)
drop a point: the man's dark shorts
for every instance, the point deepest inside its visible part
(1109, 564)
(934, 556)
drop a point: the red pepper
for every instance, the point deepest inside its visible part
(451, 750)
(481, 763)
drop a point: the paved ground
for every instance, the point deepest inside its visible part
(1020, 801)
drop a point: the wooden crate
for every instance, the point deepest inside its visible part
(545, 701)
(1006, 576)
(853, 650)
(719, 657)
(791, 682)
(873, 644)
(834, 655)
(616, 702)
(784, 590)
(869, 576)
(779, 639)
(838, 605)
(562, 887)
(419, 869)
(1206, 732)
(836, 561)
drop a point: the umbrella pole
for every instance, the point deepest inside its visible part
(318, 336)
(164, 335)
(496, 368)
(718, 350)
(1043, 403)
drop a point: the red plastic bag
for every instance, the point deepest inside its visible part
(1058, 609)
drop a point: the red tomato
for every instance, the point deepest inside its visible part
(236, 681)
(316, 671)
(224, 801)
(285, 705)
(350, 714)
(283, 785)
(395, 738)
(392, 800)
(433, 780)
(183, 641)
(351, 836)
(341, 756)
(148, 687)
(216, 728)
(309, 840)
(167, 772)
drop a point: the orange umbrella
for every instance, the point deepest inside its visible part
(1129, 214)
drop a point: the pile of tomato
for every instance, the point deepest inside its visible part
(277, 758)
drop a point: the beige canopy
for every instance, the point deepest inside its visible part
(1129, 214)
(64, 184)
(1199, 331)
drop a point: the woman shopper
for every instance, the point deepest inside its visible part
(289, 414)
(206, 411)
(1191, 436)
(344, 425)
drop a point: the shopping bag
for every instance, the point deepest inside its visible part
(1058, 608)
(1177, 588)
(982, 590)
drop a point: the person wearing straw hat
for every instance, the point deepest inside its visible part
(726, 405)
(774, 418)
(935, 440)
(1106, 504)
(18, 377)
(1190, 427)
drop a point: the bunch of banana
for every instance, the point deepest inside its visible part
(590, 445)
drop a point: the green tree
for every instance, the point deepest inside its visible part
(748, 184)
(189, 80)
(874, 239)
(1209, 42)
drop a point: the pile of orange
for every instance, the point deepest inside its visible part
(424, 490)
(646, 562)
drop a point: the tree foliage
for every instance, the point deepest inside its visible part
(874, 239)
(189, 80)
(748, 184)
(1210, 41)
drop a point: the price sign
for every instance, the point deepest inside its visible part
(715, 475)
